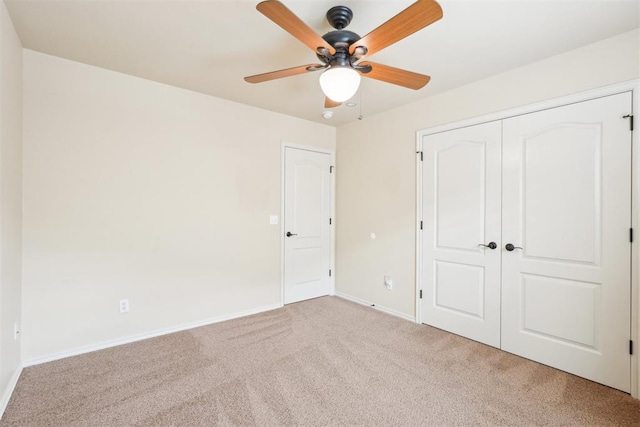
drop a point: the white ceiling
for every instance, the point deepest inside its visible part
(209, 46)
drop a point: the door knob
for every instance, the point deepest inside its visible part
(491, 245)
(510, 247)
(289, 234)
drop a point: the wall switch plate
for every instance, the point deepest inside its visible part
(16, 330)
(273, 220)
(124, 306)
(388, 283)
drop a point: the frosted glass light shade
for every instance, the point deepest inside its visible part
(340, 83)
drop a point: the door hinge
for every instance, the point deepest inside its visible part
(329, 221)
(630, 117)
(330, 169)
(421, 155)
(631, 235)
(329, 273)
(420, 293)
(420, 225)
(631, 347)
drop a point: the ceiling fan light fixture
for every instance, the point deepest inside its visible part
(340, 83)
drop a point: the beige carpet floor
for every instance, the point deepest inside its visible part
(320, 362)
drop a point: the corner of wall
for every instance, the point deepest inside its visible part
(10, 206)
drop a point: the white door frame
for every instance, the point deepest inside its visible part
(634, 87)
(332, 196)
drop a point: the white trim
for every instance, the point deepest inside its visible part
(120, 341)
(629, 86)
(306, 148)
(419, 169)
(635, 246)
(332, 212)
(282, 165)
(377, 307)
(532, 108)
(6, 396)
(333, 225)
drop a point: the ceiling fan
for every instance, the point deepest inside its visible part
(341, 51)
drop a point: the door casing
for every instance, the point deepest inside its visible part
(284, 146)
(631, 86)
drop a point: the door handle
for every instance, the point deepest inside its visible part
(510, 247)
(289, 234)
(491, 245)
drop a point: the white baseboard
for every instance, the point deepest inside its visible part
(120, 341)
(376, 306)
(9, 390)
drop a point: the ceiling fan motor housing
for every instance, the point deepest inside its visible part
(341, 40)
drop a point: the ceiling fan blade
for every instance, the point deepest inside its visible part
(265, 77)
(330, 103)
(289, 22)
(396, 76)
(414, 18)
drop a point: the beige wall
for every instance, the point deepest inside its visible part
(376, 173)
(134, 189)
(10, 197)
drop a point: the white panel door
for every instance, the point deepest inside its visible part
(461, 212)
(307, 211)
(566, 209)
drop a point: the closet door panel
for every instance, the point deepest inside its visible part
(461, 208)
(566, 211)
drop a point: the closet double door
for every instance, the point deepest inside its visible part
(525, 242)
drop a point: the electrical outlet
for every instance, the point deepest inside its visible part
(388, 283)
(124, 306)
(16, 330)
